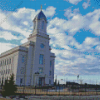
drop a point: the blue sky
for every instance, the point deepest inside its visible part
(74, 29)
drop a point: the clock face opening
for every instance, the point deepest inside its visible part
(42, 45)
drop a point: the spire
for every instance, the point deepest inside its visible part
(40, 15)
(41, 7)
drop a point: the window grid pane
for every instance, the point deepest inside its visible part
(41, 59)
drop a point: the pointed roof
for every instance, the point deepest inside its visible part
(40, 15)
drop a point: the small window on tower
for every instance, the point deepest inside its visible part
(23, 59)
(34, 24)
(42, 24)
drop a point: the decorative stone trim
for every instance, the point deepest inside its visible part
(13, 52)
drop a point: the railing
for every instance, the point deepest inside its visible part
(57, 91)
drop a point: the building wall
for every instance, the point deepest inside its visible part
(21, 68)
(24, 71)
(10, 67)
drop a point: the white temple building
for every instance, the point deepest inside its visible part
(32, 63)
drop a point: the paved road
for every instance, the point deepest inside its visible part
(59, 98)
(63, 98)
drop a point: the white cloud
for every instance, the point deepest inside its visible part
(50, 11)
(69, 13)
(89, 21)
(24, 40)
(83, 55)
(25, 23)
(7, 35)
(75, 2)
(6, 46)
(16, 21)
(69, 60)
(86, 4)
(91, 41)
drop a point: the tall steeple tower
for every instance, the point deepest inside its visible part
(39, 25)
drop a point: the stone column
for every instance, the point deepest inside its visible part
(29, 64)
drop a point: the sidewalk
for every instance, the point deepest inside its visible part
(62, 98)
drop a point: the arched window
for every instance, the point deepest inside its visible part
(42, 24)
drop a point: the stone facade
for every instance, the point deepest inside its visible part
(32, 63)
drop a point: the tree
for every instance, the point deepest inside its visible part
(58, 83)
(55, 83)
(2, 83)
(12, 86)
(9, 87)
(6, 88)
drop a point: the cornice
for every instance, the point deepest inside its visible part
(4, 55)
(38, 35)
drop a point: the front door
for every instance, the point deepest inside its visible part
(41, 81)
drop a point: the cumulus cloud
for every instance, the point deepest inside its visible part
(74, 57)
(71, 56)
(6, 46)
(75, 2)
(89, 21)
(21, 20)
(7, 35)
(86, 4)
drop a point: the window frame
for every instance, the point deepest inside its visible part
(42, 25)
(41, 59)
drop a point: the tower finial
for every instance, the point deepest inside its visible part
(41, 7)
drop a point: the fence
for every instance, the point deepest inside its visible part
(59, 90)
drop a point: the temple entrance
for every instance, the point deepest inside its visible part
(41, 81)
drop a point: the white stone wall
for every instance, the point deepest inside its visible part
(31, 51)
(21, 67)
(8, 69)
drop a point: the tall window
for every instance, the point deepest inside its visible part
(49, 72)
(1, 63)
(42, 24)
(5, 62)
(34, 24)
(41, 59)
(23, 59)
(21, 81)
(10, 61)
(49, 81)
(50, 63)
